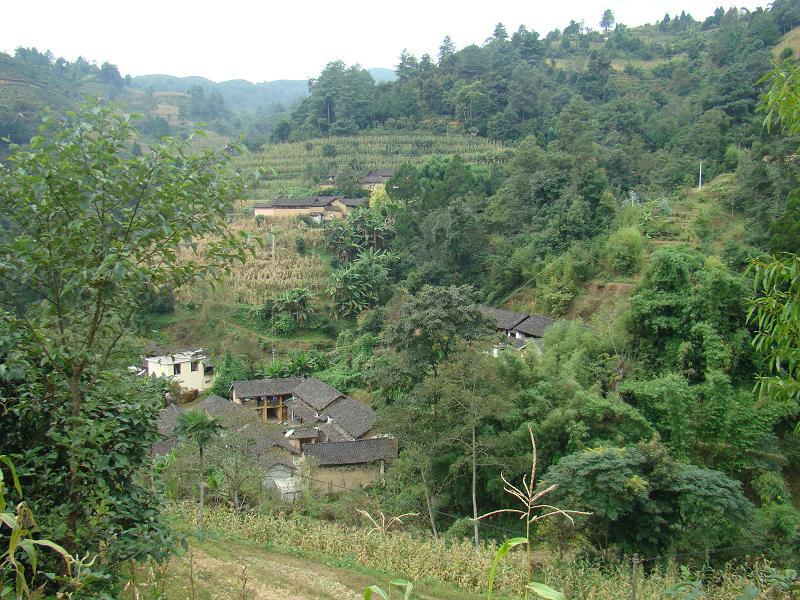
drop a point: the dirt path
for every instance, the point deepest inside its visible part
(231, 569)
(235, 572)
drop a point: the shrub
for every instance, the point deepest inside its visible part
(284, 325)
(625, 249)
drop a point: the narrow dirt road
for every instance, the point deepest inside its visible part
(226, 569)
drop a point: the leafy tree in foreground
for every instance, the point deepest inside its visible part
(88, 231)
(199, 428)
(776, 313)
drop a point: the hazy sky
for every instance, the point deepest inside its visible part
(290, 39)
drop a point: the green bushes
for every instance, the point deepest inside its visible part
(625, 250)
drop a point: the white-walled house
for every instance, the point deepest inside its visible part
(192, 369)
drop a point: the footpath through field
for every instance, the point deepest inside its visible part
(223, 568)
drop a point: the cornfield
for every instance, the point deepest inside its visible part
(263, 275)
(460, 564)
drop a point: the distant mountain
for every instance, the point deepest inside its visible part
(381, 75)
(241, 94)
(237, 93)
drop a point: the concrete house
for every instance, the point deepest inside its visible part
(191, 369)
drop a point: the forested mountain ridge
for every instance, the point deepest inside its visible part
(237, 93)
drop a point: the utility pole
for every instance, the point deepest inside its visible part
(635, 577)
(700, 183)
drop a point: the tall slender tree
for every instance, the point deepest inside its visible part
(199, 428)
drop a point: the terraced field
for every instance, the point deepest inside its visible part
(285, 167)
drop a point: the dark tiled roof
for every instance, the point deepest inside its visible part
(167, 421)
(353, 452)
(311, 202)
(316, 393)
(352, 416)
(266, 387)
(302, 411)
(264, 439)
(274, 458)
(505, 319)
(534, 325)
(302, 433)
(334, 433)
(378, 176)
(217, 405)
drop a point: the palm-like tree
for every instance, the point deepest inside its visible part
(199, 428)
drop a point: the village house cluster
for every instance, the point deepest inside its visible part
(305, 419)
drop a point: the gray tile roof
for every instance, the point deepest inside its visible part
(334, 433)
(310, 202)
(316, 393)
(353, 452)
(353, 201)
(352, 416)
(265, 439)
(167, 421)
(256, 388)
(302, 433)
(302, 411)
(218, 406)
(534, 326)
(504, 319)
(517, 343)
(380, 176)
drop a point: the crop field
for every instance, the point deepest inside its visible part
(790, 40)
(283, 163)
(458, 564)
(267, 274)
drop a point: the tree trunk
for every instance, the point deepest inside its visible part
(474, 486)
(73, 493)
(201, 523)
(429, 504)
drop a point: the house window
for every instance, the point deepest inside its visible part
(176, 369)
(195, 365)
